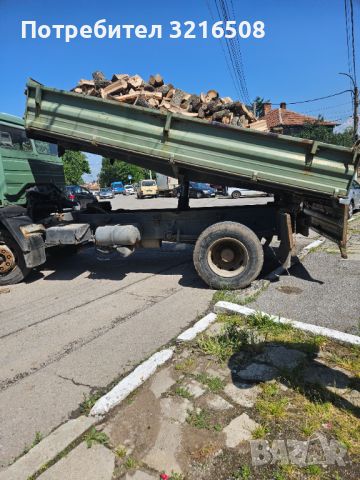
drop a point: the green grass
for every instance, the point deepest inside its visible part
(214, 384)
(37, 439)
(224, 345)
(260, 432)
(130, 463)
(120, 451)
(183, 392)
(271, 403)
(186, 366)
(243, 473)
(202, 419)
(89, 401)
(94, 436)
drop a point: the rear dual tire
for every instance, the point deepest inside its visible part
(228, 255)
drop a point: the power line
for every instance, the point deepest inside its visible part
(226, 58)
(347, 36)
(234, 52)
(315, 99)
(330, 107)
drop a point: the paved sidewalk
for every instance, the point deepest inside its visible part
(323, 289)
(210, 412)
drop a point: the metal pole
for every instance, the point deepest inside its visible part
(356, 113)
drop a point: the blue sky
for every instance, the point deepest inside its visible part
(299, 58)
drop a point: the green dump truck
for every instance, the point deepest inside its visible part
(309, 180)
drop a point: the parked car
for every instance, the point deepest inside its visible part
(106, 193)
(147, 188)
(117, 188)
(79, 194)
(129, 189)
(354, 196)
(201, 190)
(235, 192)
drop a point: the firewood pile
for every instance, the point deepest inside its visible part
(165, 97)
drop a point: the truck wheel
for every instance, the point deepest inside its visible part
(12, 263)
(228, 255)
(236, 194)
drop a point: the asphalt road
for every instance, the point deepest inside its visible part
(77, 324)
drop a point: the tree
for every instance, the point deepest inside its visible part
(119, 171)
(75, 165)
(321, 133)
(258, 106)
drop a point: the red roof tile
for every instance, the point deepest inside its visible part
(283, 117)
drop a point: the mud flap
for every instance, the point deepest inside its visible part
(287, 240)
(330, 222)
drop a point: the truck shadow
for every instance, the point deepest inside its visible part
(311, 377)
(171, 259)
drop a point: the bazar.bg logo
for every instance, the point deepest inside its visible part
(317, 450)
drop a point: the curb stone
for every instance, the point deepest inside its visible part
(227, 307)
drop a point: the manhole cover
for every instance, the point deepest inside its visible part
(289, 290)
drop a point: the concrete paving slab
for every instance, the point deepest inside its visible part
(95, 463)
(243, 394)
(239, 430)
(47, 449)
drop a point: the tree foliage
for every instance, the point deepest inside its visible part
(315, 131)
(119, 171)
(258, 106)
(75, 165)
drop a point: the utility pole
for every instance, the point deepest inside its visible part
(356, 113)
(355, 93)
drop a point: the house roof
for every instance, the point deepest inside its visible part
(283, 117)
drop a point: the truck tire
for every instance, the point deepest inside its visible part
(228, 255)
(12, 263)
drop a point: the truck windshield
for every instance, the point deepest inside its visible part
(148, 183)
(46, 148)
(14, 138)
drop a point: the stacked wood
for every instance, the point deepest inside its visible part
(155, 93)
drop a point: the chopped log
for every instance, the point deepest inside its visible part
(195, 103)
(148, 87)
(86, 83)
(130, 97)
(100, 80)
(227, 100)
(175, 109)
(203, 97)
(201, 112)
(217, 116)
(119, 76)
(170, 93)
(135, 82)
(142, 102)
(177, 97)
(115, 87)
(211, 95)
(156, 80)
(226, 119)
(260, 125)
(77, 90)
(164, 89)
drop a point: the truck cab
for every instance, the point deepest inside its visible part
(25, 162)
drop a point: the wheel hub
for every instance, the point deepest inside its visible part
(7, 259)
(227, 257)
